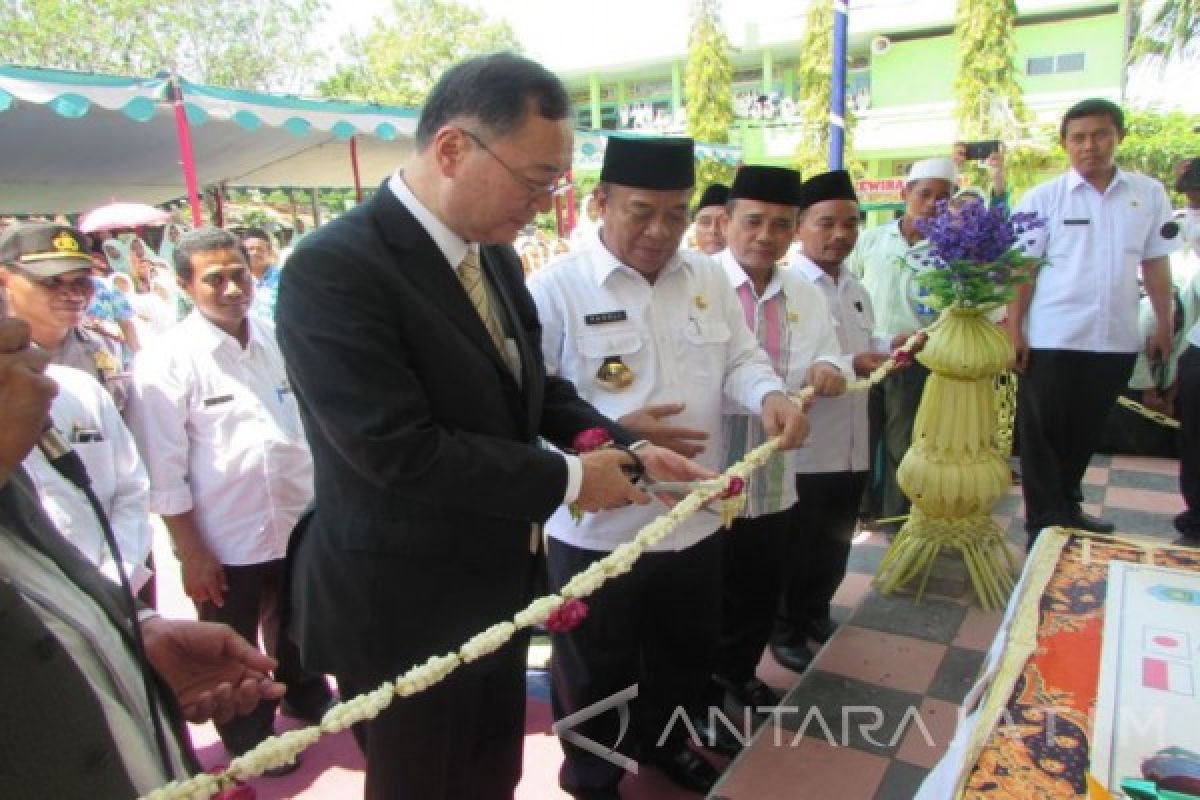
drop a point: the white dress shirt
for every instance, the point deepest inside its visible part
(794, 328)
(887, 265)
(1086, 295)
(220, 434)
(683, 337)
(84, 412)
(454, 248)
(838, 439)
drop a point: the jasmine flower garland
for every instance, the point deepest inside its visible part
(563, 611)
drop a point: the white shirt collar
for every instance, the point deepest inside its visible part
(737, 276)
(811, 271)
(1075, 180)
(209, 337)
(453, 246)
(604, 263)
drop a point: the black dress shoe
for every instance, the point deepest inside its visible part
(715, 735)
(795, 657)
(685, 768)
(1085, 521)
(821, 630)
(753, 694)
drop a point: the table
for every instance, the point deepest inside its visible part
(1029, 726)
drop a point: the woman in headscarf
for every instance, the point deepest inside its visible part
(116, 253)
(166, 250)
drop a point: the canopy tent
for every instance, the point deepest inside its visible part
(73, 140)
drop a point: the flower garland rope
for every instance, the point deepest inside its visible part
(564, 609)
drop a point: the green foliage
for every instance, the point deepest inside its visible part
(1156, 142)
(262, 45)
(410, 47)
(986, 81)
(1171, 32)
(584, 184)
(710, 171)
(708, 77)
(815, 73)
(708, 88)
(990, 103)
(973, 285)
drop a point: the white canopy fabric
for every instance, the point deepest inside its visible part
(70, 141)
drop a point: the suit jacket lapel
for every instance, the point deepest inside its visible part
(430, 272)
(511, 321)
(21, 511)
(26, 518)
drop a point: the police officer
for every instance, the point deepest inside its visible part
(47, 281)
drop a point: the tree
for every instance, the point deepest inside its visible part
(1156, 142)
(405, 53)
(1171, 31)
(815, 72)
(708, 87)
(990, 104)
(261, 45)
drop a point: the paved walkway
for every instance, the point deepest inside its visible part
(871, 716)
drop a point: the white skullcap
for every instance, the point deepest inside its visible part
(941, 168)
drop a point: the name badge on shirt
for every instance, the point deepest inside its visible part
(1076, 221)
(209, 402)
(605, 317)
(82, 435)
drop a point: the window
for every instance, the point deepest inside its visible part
(1070, 62)
(1042, 65)
(1054, 65)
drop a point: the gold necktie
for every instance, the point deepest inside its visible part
(471, 275)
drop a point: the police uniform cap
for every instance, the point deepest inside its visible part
(45, 249)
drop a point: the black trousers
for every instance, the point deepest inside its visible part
(1187, 409)
(656, 626)
(821, 532)
(755, 555)
(1063, 400)
(891, 413)
(459, 740)
(252, 604)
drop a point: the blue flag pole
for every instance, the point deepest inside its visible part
(837, 104)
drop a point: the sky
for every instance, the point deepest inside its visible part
(570, 35)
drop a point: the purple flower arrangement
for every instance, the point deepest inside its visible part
(976, 255)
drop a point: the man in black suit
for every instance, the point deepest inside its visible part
(414, 352)
(76, 710)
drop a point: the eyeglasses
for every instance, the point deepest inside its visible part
(57, 284)
(534, 188)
